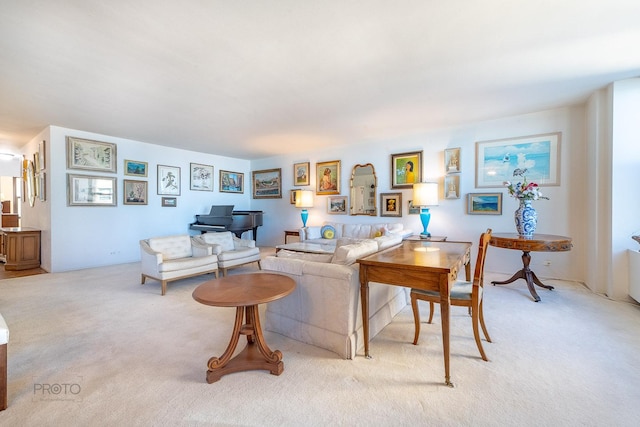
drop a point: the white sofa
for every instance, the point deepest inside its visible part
(171, 258)
(313, 234)
(325, 309)
(231, 251)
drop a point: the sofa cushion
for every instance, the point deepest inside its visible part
(172, 247)
(238, 253)
(283, 253)
(224, 239)
(314, 233)
(349, 253)
(387, 241)
(186, 263)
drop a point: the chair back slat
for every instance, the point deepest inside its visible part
(478, 275)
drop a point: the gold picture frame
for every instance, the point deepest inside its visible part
(328, 177)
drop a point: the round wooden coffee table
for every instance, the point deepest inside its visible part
(245, 292)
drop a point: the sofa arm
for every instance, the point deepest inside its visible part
(243, 243)
(200, 249)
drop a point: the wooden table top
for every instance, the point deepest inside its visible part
(537, 242)
(413, 255)
(243, 290)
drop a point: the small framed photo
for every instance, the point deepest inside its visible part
(328, 177)
(301, 173)
(337, 205)
(406, 169)
(452, 160)
(135, 168)
(267, 184)
(91, 155)
(391, 204)
(88, 190)
(168, 180)
(231, 182)
(452, 187)
(201, 177)
(169, 202)
(484, 203)
(292, 196)
(413, 210)
(135, 192)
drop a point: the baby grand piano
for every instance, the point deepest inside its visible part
(224, 218)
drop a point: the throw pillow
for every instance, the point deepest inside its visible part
(328, 232)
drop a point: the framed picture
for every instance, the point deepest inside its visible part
(539, 155)
(135, 192)
(292, 196)
(301, 173)
(413, 210)
(135, 168)
(267, 184)
(390, 204)
(231, 182)
(452, 187)
(42, 154)
(91, 155)
(328, 177)
(42, 179)
(169, 202)
(168, 180)
(337, 205)
(406, 169)
(452, 160)
(87, 190)
(484, 203)
(201, 177)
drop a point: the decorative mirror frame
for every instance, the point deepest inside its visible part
(372, 196)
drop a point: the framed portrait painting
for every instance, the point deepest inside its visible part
(168, 180)
(267, 184)
(201, 177)
(391, 204)
(484, 204)
(406, 169)
(135, 192)
(231, 182)
(537, 155)
(301, 173)
(91, 155)
(328, 177)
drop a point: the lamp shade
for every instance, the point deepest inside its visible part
(304, 199)
(425, 194)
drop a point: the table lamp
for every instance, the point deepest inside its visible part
(304, 200)
(425, 194)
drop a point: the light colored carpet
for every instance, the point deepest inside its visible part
(94, 347)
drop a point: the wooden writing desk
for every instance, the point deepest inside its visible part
(419, 265)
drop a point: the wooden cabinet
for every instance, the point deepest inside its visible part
(20, 248)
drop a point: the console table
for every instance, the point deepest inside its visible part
(20, 248)
(537, 243)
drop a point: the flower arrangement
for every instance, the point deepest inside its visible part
(524, 190)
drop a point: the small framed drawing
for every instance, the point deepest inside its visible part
(135, 168)
(406, 169)
(292, 196)
(135, 192)
(452, 187)
(42, 177)
(337, 205)
(169, 202)
(301, 173)
(328, 177)
(231, 182)
(87, 190)
(484, 203)
(168, 180)
(413, 210)
(201, 177)
(91, 155)
(267, 184)
(538, 155)
(391, 204)
(42, 154)
(452, 160)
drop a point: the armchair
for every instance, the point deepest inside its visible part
(231, 251)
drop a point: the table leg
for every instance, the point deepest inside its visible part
(256, 354)
(364, 300)
(527, 275)
(444, 314)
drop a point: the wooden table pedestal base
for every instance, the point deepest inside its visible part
(256, 355)
(527, 275)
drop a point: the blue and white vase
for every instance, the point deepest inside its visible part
(526, 219)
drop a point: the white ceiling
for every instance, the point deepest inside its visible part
(252, 79)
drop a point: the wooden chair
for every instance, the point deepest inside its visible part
(463, 293)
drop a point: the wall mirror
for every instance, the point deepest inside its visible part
(363, 190)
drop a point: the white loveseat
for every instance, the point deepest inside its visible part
(313, 234)
(231, 251)
(171, 258)
(325, 309)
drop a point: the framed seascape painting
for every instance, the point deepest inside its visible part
(135, 168)
(484, 204)
(87, 190)
(168, 180)
(91, 155)
(231, 182)
(301, 173)
(135, 192)
(267, 184)
(328, 177)
(391, 204)
(406, 169)
(201, 177)
(337, 205)
(537, 155)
